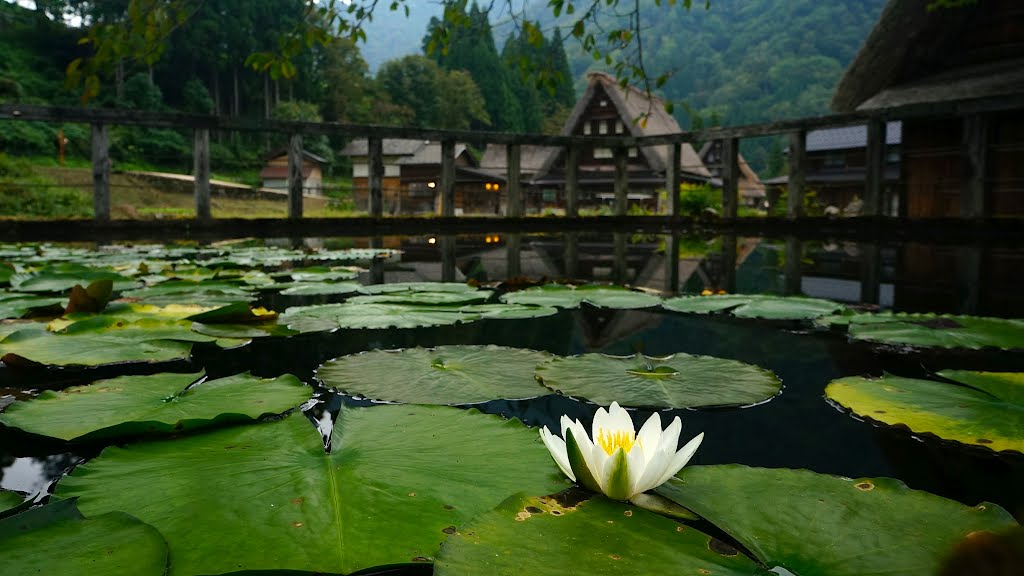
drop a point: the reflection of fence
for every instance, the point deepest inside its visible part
(973, 185)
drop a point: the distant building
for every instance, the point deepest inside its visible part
(411, 181)
(751, 190)
(275, 172)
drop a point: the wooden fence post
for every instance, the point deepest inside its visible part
(729, 245)
(447, 177)
(572, 254)
(516, 205)
(295, 177)
(974, 191)
(513, 244)
(100, 173)
(375, 149)
(620, 264)
(730, 177)
(797, 174)
(792, 271)
(201, 173)
(621, 180)
(447, 258)
(672, 182)
(672, 262)
(870, 273)
(874, 191)
(572, 180)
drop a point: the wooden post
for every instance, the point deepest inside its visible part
(512, 246)
(448, 177)
(870, 273)
(447, 258)
(100, 173)
(377, 263)
(672, 262)
(375, 149)
(201, 173)
(730, 177)
(728, 281)
(295, 177)
(974, 202)
(515, 189)
(797, 174)
(970, 278)
(621, 181)
(792, 271)
(572, 181)
(619, 265)
(572, 254)
(672, 182)
(874, 191)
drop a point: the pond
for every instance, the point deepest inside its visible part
(905, 312)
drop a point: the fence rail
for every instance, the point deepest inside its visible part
(975, 116)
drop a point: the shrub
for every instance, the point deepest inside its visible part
(696, 199)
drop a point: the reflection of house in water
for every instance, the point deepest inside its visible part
(412, 170)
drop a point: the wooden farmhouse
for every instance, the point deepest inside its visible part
(963, 54)
(275, 172)
(605, 109)
(751, 189)
(412, 171)
(837, 169)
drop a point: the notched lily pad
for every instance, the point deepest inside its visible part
(565, 296)
(157, 404)
(349, 315)
(756, 306)
(442, 375)
(676, 381)
(981, 409)
(938, 331)
(10, 499)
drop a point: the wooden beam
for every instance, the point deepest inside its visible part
(100, 173)
(870, 273)
(796, 188)
(970, 278)
(672, 262)
(447, 258)
(295, 177)
(377, 263)
(620, 265)
(621, 180)
(513, 244)
(730, 177)
(375, 162)
(974, 190)
(512, 182)
(448, 177)
(572, 180)
(793, 268)
(728, 279)
(874, 187)
(672, 182)
(201, 173)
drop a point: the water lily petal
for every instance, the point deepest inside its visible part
(602, 421)
(670, 437)
(653, 471)
(649, 437)
(556, 446)
(616, 475)
(620, 419)
(681, 458)
(577, 462)
(636, 463)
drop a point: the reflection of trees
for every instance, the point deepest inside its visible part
(55, 465)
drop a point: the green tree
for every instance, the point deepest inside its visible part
(460, 103)
(196, 98)
(412, 82)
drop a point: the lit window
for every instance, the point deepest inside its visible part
(602, 128)
(632, 152)
(602, 153)
(618, 126)
(604, 102)
(586, 128)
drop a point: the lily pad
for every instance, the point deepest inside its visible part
(939, 331)
(442, 375)
(212, 293)
(756, 306)
(418, 287)
(321, 274)
(676, 381)
(35, 344)
(986, 409)
(322, 289)
(349, 315)
(427, 298)
(62, 277)
(509, 311)
(15, 305)
(564, 296)
(56, 539)
(157, 404)
(595, 536)
(811, 523)
(9, 499)
(396, 479)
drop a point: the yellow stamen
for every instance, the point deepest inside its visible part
(611, 441)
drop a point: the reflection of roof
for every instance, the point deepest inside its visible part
(845, 176)
(848, 137)
(281, 172)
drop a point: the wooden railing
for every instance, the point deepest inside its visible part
(975, 116)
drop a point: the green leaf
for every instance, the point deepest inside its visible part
(676, 381)
(157, 404)
(396, 478)
(597, 536)
(349, 315)
(427, 298)
(322, 289)
(569, 297)
(938, 331)
(509, 311)
(755, 306)
(36, 344)
(62, 277)
(418, 287)
(9, 499)
(13, 305)
(321, 274)
(56, 539)
(988, 410)
(812, 523)
(442, 375)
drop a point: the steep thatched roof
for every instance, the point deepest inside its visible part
(641, 114)
(531, 158)
(914, 55)
(749, 186)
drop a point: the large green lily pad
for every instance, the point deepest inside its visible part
(503, 311)
(545, 536)
(210, 293)
(56, 539)
(322, 289)
(9, 499)
(425, 298)
(62, 277)
(350, 315)
(15, 305)
(939, 331)
(756, 306)
(395, 482)
(34, 343)
(676, 381)
(321, 273)
(987, 409)
(442, 375)
(813, 523)
(157, 404)
(564, 296)
(396, 287)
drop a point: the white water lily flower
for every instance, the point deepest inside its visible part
(615, 460)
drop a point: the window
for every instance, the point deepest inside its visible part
(586, 128)
(602, 153)
(892, 157)
(632, 152)
(604, 102)
(835, 161)
(602, 127)
(618, 126)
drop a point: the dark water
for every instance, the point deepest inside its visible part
(798, 429)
